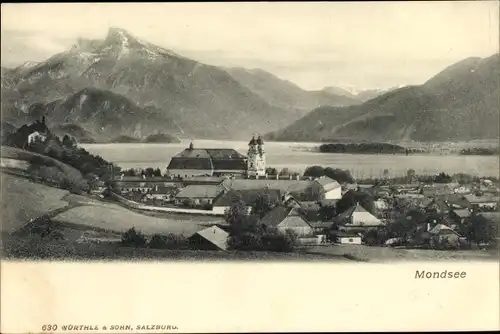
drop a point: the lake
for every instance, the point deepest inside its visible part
(296, 157)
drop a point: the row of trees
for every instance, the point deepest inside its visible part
(480, 151)
(148, 172)
(339, 175)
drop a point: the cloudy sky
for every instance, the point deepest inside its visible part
(365, 45)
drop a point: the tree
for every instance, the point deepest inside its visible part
(133, 238)
(314, 171)
(483, 230)
(157, 172)
(352, 197)
(285, 171)
(149, 172)
(68, 141)
(327, 212)
(271, 171)
(263, 204)
(410, 175)
(339, 175)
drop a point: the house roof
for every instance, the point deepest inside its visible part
(278, 214)
(327, 183)
(222, 159)
(284, 185)
(248, 196)
(462, 213)
(200, 191)
(352, 210)
(215, 235)
(442, 229)
(486, 198)
(320, 224)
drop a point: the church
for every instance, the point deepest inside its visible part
(217, 162)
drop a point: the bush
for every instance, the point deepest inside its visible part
(280, 242)
(133, 238)
(170, 241)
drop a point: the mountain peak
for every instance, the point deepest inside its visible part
(119, 35)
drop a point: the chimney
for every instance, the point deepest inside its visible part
(428, 227)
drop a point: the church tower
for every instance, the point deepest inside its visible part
(256, 164)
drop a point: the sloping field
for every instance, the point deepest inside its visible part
(388, 254)
(23, 200)
(116, 218)
(12, 153)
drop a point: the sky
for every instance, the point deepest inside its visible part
(366, 45)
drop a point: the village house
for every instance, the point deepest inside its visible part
(198, 194)
(350, 238)
(284, 218)
(162, 193)
(301, 190)
(211, 238)
(443, 234)
(439, 189)
(331, 188)
(357, 217)
(248, 196)
(484, 201)
(460, 216)
(381, 204)
(36, 136)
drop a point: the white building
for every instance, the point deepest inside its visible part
(332, 188)
(36, 136)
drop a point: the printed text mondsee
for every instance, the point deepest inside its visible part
(440, 274)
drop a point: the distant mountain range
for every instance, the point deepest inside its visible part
(360, 95)
(124, 86)
(285, 94)
(460, 103)
(137, 87)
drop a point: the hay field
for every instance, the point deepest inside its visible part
(23, 200)
(116, 218)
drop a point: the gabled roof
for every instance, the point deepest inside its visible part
(462, 213)
(442, 229)
(347, 214)
(473, 199)
(327, 183)
(215, 235)
(248, 196)
(278, 214)
(200, 191)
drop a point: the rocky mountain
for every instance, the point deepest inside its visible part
(285, 94)
(101, 115)
(203, 101)
(458, 104)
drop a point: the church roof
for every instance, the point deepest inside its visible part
(219, 159)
